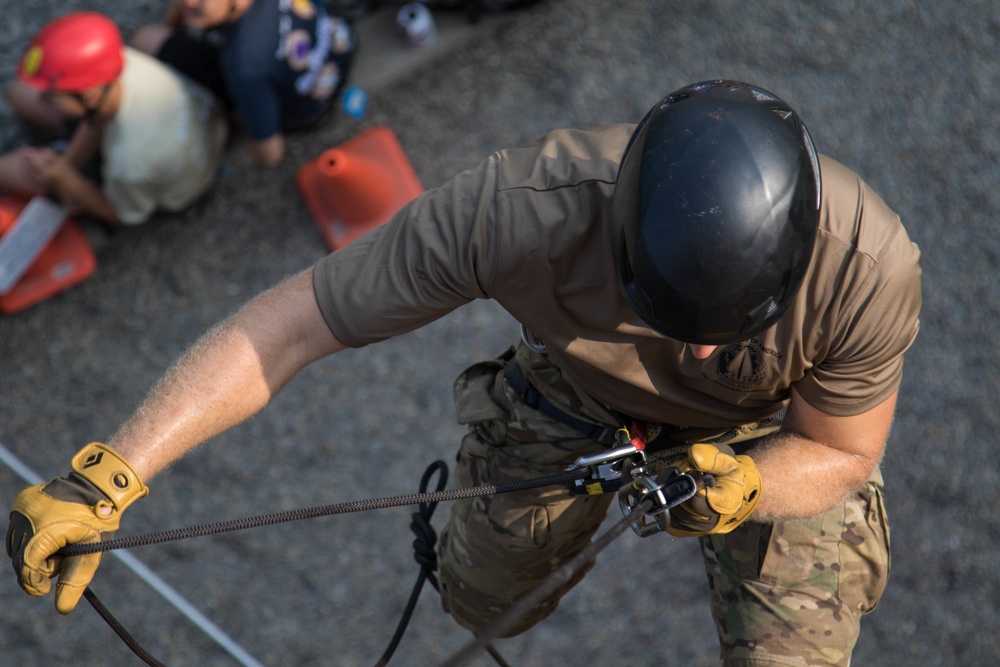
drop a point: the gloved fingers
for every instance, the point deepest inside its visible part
(39, 564)
(691, 518)
(726, 497)
(12, 540)
(696, 510)
(702, 511)
(686, 520)
(77, 573)
(19, 531)
(710, 459)
(34, 580)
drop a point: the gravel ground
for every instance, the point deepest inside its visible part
(902, 92)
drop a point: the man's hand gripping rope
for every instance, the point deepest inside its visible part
(710, 491)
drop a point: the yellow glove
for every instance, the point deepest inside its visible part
(85, 506)
(727, 499)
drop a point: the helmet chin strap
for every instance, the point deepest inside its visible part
(91, 111)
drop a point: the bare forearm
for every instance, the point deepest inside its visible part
(227, 376)
(85, 143)
(216, 385)
(803, 478)
(84, 196)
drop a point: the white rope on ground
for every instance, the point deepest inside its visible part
(147, 575)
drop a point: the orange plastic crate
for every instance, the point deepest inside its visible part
(65, 261)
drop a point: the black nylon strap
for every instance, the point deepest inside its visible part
(604, 435)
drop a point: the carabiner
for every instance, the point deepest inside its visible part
(669, 489)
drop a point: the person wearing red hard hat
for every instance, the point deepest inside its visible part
(73, 54)
(160, 137)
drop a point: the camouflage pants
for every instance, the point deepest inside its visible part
(790, 593)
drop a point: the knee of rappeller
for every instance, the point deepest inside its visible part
(476, 611)
(468, 595)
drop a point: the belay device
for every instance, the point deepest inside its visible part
(624, 469)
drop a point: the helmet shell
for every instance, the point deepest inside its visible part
(72, 53)
(717, 200)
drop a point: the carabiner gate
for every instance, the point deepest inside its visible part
(669, 489)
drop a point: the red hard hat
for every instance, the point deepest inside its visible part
(73, 53)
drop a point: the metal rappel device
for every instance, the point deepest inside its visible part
(624, 469)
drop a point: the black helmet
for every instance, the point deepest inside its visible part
(717, 201)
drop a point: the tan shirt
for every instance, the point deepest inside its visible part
(530, 228)
(164, 145)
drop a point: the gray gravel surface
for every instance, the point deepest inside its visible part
(905, 93)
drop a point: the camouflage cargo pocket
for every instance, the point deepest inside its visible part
(864, 575)
(789, 551)
(473, 391)
(793, 593)
(841, 555)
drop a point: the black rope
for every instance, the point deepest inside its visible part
(424, 554)
(120, 629)
(424, 544)
(546, 589)
(314, 512)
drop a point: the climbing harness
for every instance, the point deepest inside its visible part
(624, 469)
(534, 399)
(644, 501)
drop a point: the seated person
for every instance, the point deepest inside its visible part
(158, 136)
(278, 64)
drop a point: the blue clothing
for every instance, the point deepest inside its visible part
(284, 63)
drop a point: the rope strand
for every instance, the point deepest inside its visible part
(120, 630)
(424, 554)
(423, 547)
(314, 512)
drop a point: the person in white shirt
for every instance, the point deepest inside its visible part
(160, 137)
